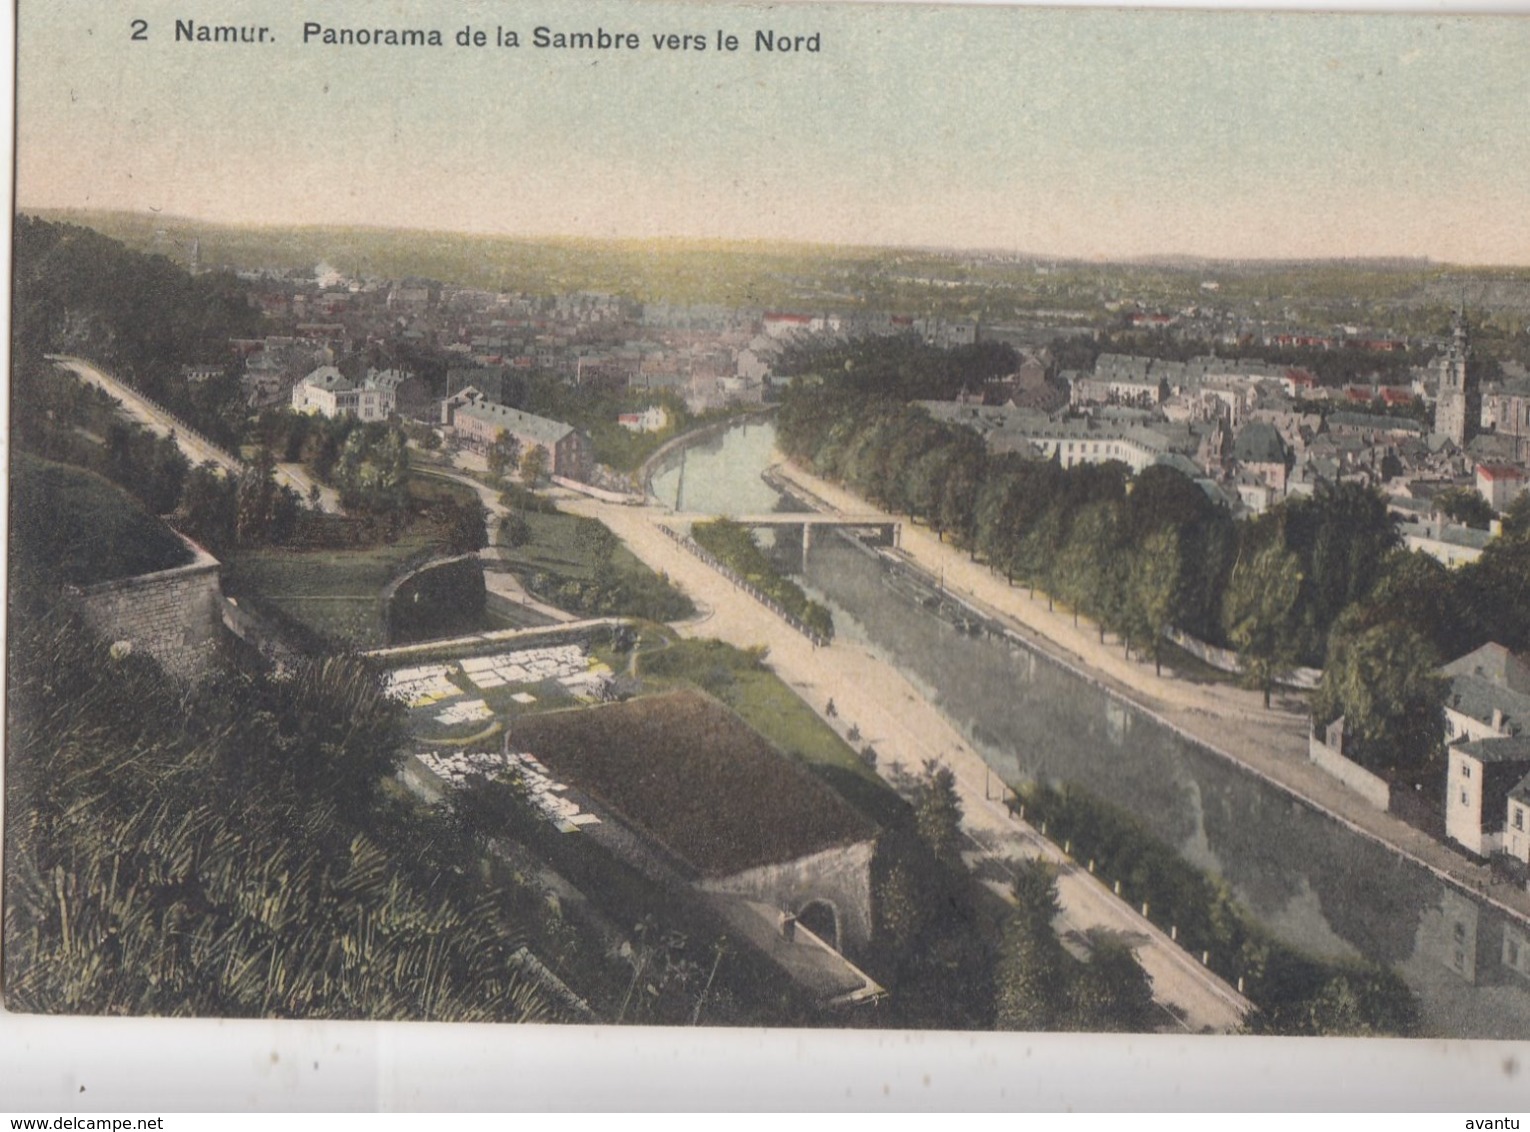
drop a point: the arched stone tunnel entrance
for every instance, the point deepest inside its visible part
(822, 919)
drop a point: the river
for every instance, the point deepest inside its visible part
(1313, 882)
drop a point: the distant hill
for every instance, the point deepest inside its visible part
(986, 286)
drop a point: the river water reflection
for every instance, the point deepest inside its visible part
(1312, 881)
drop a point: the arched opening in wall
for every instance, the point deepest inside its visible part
(820, 918)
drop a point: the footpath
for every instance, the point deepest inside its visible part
(497, 576)
(193, 445)
(1231, 722)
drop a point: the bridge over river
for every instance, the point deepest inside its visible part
(886, 532)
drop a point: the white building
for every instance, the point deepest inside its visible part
(1501, 484)
(329, 392)
(1481, 775)
(1485, 717)
(1450, 543)
(652, 419)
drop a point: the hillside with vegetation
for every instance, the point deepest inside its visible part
(247, 861)
(142, 316)
(72, 527)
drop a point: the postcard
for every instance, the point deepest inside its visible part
(867, 518)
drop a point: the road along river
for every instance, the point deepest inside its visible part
(1314, 882)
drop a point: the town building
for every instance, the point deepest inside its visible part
(330, 393)
(478, 423)
(1260, 452)
(1480, 777)
(1450, 543)
(713, 810)
(1486, 711)
(1501, 484)
(1506, 412)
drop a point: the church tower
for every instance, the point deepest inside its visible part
(1458, 414)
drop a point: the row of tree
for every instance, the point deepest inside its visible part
(1308, 582)
(1294, 993)
(735, 547)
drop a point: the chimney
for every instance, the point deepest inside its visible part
(1498, 721)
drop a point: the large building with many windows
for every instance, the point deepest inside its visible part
(478, 423)
(329, 392)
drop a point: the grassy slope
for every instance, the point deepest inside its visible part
(74, 526)
(775, 711)
(337, 592)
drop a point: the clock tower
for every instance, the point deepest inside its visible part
(1458, 413)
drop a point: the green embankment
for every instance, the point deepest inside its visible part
(73, 526)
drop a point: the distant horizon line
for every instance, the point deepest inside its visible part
(1184, 260)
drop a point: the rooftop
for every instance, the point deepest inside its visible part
(1494, 663)
(693, 776)
(1506, 749)
(540, 429)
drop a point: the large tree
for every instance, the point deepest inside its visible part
(1087, 568)
(938, 814)
(1157, 586)
(533, 465)
(1342, 537)
(1112, 993)
(1260, 601)
(1384, 680)
(227, 851)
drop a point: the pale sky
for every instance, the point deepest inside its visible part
(1063, 132)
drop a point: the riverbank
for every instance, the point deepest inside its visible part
(889, 713)
(1230, 722)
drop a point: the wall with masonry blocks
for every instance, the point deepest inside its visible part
(174, 616)
(838, 877)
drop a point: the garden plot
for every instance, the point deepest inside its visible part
(468, 711)
(459, 768)
(422, 686)
(569, 665)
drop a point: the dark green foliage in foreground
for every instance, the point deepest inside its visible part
(936, 936)
(735, 547)
(71, 526)
(227, 851)
(1295, 993)
(1038, 985)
